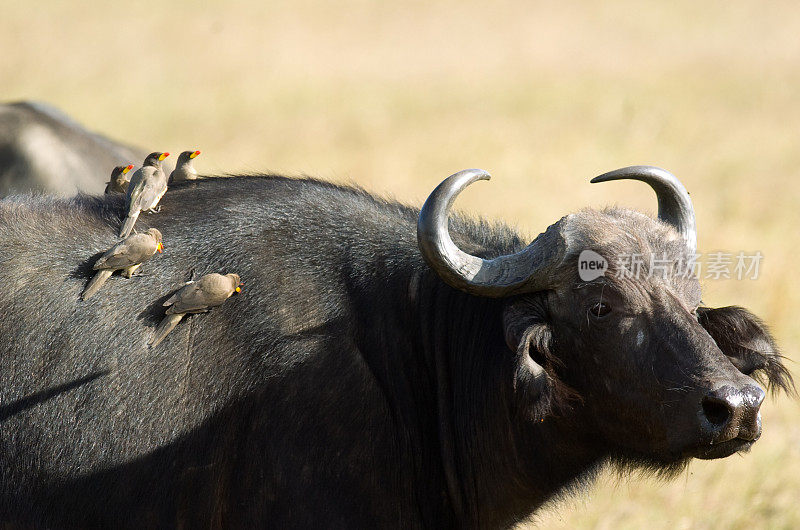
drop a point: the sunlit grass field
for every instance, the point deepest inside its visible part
(396, 96)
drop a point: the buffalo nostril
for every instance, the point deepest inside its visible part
(716, 410)
(754, 395)
(732, 413)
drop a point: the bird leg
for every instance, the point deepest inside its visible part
(128, 271)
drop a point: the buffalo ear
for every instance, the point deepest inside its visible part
(528, 336)
(745, 339)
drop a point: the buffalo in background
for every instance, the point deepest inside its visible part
(43, 149)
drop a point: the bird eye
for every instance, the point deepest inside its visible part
(600, 309)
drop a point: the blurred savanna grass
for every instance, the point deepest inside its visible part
(396, 96)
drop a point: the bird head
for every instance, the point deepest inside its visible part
(156, 234)
(236, 281)
(186, 157)
(155, 158)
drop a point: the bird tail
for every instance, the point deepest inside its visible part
(166, 325)
(127, 226)
(96, 283)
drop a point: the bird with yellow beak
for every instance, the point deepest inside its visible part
(118, 183)
(196, 297)
(148, 185)
(183, 167)
(126, 256)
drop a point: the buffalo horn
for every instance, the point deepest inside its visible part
(528, 270)
(674, 205)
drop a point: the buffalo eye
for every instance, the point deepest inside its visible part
(600, 309)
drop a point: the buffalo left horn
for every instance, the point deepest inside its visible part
(674, 205)
(531, 269)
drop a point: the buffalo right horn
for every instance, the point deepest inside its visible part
(531, 269)
(674, 205)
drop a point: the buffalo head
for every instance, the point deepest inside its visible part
(651, 374)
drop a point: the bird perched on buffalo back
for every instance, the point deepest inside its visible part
(196, 297)
(183, 167)
(127, 256)
(118, 182)
(148, 185)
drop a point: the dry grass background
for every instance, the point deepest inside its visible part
(396, 96)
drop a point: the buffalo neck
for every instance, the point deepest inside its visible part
(441, 359)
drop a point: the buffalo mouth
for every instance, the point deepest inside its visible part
(722, 449)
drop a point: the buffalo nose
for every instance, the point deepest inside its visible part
(733, 413)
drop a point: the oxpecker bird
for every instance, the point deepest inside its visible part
(148, 185)
(119, 182)
(127, 256)
(183, 168)
(196, 297)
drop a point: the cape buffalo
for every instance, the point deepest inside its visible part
(384, 367)
(43, 149)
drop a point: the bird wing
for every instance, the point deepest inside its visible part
(130, 251)
(149, 196)
(176, 295)
(162, 180)
(189, 299)
(156, 187)
(136, 188)
(114, 258)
